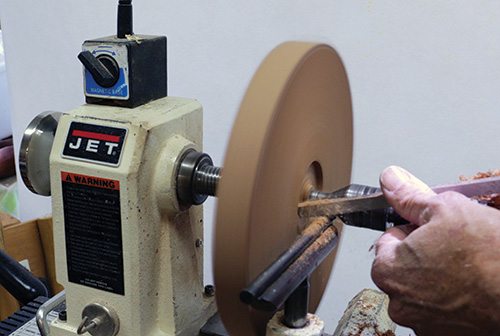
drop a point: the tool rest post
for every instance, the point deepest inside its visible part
(297, 306)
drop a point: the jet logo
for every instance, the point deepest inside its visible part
(95, 143)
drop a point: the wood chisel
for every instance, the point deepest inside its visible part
(367, 204)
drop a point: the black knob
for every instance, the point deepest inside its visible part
(103, 68)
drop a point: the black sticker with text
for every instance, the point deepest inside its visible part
(96, 143)
(93, 230)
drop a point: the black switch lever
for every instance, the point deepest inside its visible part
(103, 68)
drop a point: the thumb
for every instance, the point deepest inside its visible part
(406, 194)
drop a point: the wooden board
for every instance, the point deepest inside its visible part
(47, 238)
(22, 242)
(8, 304)
(367, 315)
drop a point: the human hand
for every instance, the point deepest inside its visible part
(442, 273)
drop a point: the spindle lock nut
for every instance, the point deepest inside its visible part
(197, 178)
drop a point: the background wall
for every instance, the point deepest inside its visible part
(5, 122)
(424, 78)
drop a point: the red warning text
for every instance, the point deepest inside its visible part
(90, 181)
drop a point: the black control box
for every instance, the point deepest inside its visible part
(128, 71)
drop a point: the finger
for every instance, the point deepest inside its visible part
(385, 255)
(406, 194)
(385, 258)
(393, 237)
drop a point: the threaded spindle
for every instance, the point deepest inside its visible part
(206, 180)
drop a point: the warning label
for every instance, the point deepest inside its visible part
(93, 231)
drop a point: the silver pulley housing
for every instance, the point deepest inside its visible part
(35, 152)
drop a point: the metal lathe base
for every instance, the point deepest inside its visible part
(365, 315)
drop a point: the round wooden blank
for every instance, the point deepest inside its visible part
(293, 132)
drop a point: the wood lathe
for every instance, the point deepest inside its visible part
(127, 175)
